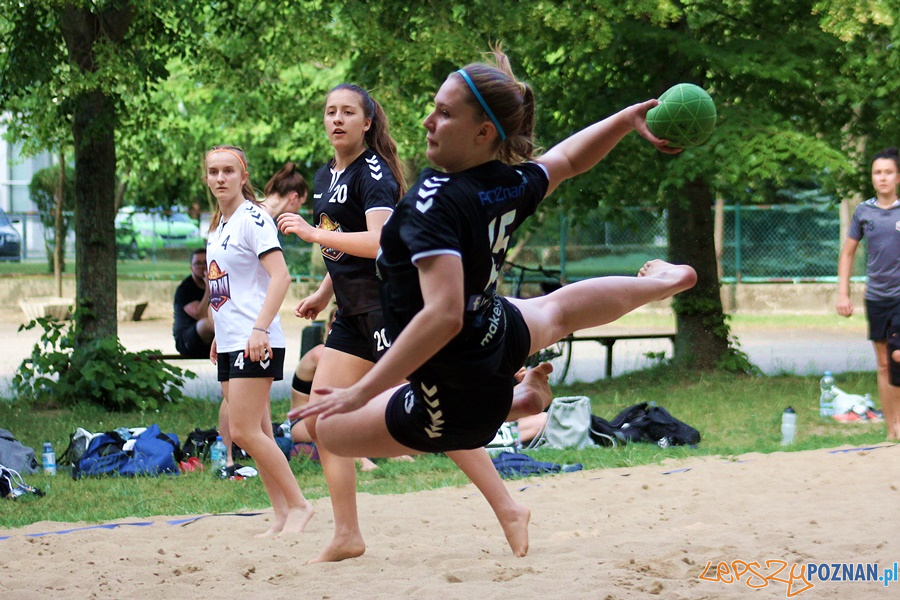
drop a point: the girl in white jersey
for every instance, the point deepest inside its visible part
(460, 344)
(353, 196)
(878, 221)
(248, 281)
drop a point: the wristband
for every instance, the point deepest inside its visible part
(258, 329)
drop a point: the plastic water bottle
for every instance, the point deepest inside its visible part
(517, 437)
(788, 426)
(48, 459)
(826, 397)
(218, 455)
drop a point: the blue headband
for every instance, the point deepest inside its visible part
(483, 104)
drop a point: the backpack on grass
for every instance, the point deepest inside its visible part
(16, 455)
(198, 442)
(146, 452)
(12, 485)
(645, 422)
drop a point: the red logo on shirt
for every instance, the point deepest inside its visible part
(219, 286)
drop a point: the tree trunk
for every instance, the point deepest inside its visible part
(59, 238)
(95, 180)
(702, 339)
(95, 232)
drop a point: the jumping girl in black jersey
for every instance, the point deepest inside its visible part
(353, 196)
(459, 343)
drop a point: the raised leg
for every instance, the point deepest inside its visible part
(599, 301)
(532, 394)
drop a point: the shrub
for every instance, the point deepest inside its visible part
(63, 373)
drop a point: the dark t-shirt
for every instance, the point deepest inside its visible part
(341, 200)
(880, 228)
(186, 293)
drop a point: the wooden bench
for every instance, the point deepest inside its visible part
(609, 341)
(176, 357)
(311, 336)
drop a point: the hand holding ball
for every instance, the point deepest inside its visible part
(685, 115)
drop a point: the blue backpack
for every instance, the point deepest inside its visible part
(151, 453)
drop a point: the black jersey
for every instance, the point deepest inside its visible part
(341, 200)
(470, 214)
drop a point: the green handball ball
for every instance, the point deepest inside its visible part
(685, 115)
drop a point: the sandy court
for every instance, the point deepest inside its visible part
(641, 532)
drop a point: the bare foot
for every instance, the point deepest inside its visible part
(533, 394)
(515, 528)
(341, 548)
(272, 531)
(296, 520)
(678, 277)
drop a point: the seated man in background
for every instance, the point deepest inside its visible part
(192, 328)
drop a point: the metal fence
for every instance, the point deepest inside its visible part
(759, 243)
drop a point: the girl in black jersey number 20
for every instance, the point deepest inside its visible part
(353, 196)
(457, 341)
(248, 281)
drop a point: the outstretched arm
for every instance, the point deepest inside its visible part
(581, 151)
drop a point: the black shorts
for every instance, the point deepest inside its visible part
(189, 344)
(879, 313)
(361, 335)
(233, 365)
(460, 406)
(893, 345)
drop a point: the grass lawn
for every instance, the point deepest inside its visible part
(126, 269)
(735, 414)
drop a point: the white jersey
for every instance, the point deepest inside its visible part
(237, 280)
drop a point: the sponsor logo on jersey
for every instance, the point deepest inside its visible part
(494, 322)
(327, 224)
(897, 225)
(501, 194)
(219, 286)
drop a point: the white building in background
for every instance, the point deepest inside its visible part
(16, 172)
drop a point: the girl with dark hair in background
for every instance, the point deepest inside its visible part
(353, 196)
